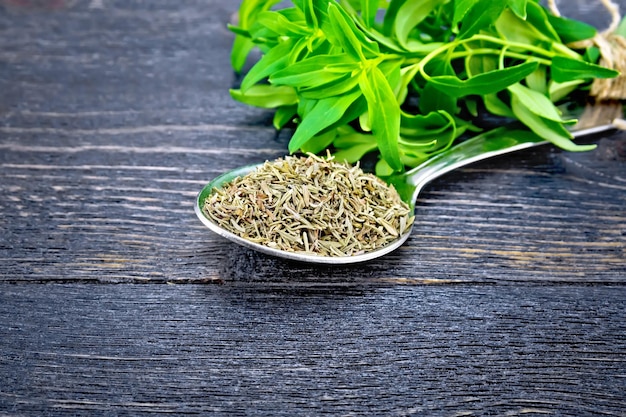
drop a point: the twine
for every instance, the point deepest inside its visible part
(612, 54)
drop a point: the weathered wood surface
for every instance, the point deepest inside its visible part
(245, 350)
(114, 114)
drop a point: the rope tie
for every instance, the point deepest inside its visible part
(612, 54)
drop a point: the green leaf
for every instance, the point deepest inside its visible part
(319, 142)
(424, 127)
(384, 113)
(461, 8)
(248, 12)
(262, 36)
(245, 33)
(369, 8)
(369, 47)
(284, 23)
(381, 39)
(495, 105)
(309, 11)
(383, 169)
(354, 110)
(410, 15)
(343, 30)
(431, 100)
(250, 9)
(479, 63)
(482, 15)
(391, 69)
(284, 115)
(315, 71)
(567, 69)
(537, 80)
(348, 136)
(440, 65)
(308, 79)
(536, 102)
(266, 96)
(429, 132)
(514, 29)
(345, 84)
(571, 30)
(547, 129)
(276, 59)
(558, 91)
(321, 114)
(471, 106)
(354, 153)
(537, 16)
(518, 7)
(240, 51)
(592, 54)
(305, 106)
(485, 83)
(390, 16)
(352, 146)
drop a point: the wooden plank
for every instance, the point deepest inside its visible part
(250, 350)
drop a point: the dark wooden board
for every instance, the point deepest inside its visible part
(507, 299)
(250, 350)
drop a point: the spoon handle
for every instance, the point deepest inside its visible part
(496, 142)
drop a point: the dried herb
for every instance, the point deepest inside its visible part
(313, 205)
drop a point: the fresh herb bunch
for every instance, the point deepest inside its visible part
(406, 78)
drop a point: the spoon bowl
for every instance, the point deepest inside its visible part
(408, 184)
(229, 176)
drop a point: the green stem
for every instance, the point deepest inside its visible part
(504, 42)
(565, 50)
(502, 52)
(499, 53)
(501, 57)
(453, 45)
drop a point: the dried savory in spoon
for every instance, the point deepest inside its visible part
(322, 212)
(311, 205)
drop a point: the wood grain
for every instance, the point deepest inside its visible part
(250, 350)
(508, 298)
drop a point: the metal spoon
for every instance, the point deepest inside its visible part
(409, 184)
